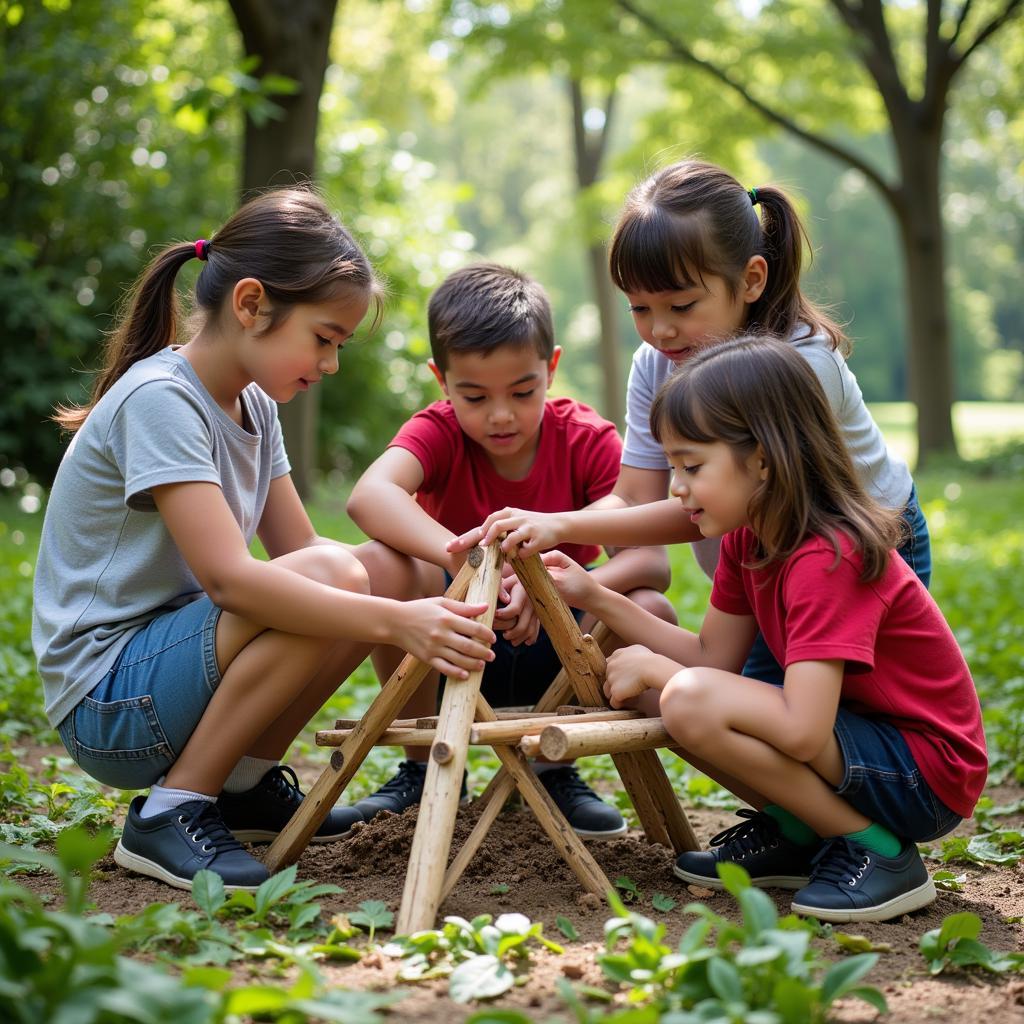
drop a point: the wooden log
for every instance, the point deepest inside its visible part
(564, 742)
(441, 788)
(345, 761)
(513, 731)
(393, 737)
(530, 746)
(505, 715)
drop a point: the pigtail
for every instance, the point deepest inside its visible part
(147, 323)
(783, 306)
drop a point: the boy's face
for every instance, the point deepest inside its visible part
(498, 399)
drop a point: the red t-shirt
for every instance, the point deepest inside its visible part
(577, 462)
(903, 664)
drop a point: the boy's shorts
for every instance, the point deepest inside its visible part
(883, 782)
(135, 722)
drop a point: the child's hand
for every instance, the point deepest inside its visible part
(530, 532)
(574, 584)
(517, 619)
(444, 633)
(633, 670)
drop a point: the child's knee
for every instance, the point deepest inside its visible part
(396, 575)
(687, 708)
(331, 565)
(655, 603)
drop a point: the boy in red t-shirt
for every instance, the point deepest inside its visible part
(496, 440)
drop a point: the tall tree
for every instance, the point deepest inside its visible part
(291, 40)
(913, 86)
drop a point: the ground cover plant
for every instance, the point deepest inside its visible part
(80, 940)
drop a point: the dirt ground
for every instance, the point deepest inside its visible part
(371, 865)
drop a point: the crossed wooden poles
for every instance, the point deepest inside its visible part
(552, 728)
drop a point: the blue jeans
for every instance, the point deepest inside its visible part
(133, 725)
(916, 551)
(882, 780)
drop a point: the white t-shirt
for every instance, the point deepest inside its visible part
(885, 475)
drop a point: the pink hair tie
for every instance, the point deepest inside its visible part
(202, 249)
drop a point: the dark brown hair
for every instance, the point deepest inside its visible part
(287, 239)
(756, 391)
(484, 306)
(694, 219)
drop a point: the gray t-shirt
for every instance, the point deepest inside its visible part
(884, 474)
(107, 564)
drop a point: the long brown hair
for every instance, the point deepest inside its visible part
(693, 219)
(756, 391)
(287, 239)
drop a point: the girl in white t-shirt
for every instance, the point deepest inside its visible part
(698, 266)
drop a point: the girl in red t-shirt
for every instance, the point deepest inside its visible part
(874, 742)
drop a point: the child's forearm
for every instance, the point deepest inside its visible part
(633, 625)
(387, 513)
(660, 522)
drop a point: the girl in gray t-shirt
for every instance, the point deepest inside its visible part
(172, 658)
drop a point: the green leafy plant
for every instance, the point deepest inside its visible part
(663, 903)
(761, 969)
(567, 928)
(999, 846)
(477, 956)
(955, 944)
(629, 889)
(373, 914)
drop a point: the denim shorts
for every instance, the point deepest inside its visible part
(135, 722)
(882, 781)
(916, 551)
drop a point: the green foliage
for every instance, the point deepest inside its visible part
(955, 944)
(373, 914)
(476, 956)
(760, 970)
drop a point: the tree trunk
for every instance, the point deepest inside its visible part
(604, 293)
(930, 352)
(589, 148)
(291, 38)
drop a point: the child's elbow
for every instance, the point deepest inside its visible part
(356, 506)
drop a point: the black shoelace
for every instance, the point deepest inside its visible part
(840, 861)
(754, 834)
(284, 783)
(206, 826)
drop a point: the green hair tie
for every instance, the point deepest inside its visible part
(753, 196)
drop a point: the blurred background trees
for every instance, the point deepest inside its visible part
(448, 131)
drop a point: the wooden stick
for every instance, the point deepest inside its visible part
(568, 741)
(345, 761)
(551, 819)
(441, 788)
(513, 731)
(393, 737)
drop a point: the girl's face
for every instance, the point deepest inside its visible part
(298, 353)
(714, 489)
(680, 323)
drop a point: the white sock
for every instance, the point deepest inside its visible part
(161, 799)
(247, 773)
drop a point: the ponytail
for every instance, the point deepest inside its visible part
(782, 305)
(148, 323)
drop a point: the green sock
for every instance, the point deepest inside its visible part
(878, 839)
(791, 826)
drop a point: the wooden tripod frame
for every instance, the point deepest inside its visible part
(466, 717)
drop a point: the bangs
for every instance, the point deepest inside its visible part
(675, 410)
(655, 251)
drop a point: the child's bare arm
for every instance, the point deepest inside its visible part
(383, 505)
(206, 533)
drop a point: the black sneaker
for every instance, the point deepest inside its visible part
(757, 845)
(174, 845)
(258, 815)
(589, 816)
(404, 789)
(849, 882)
